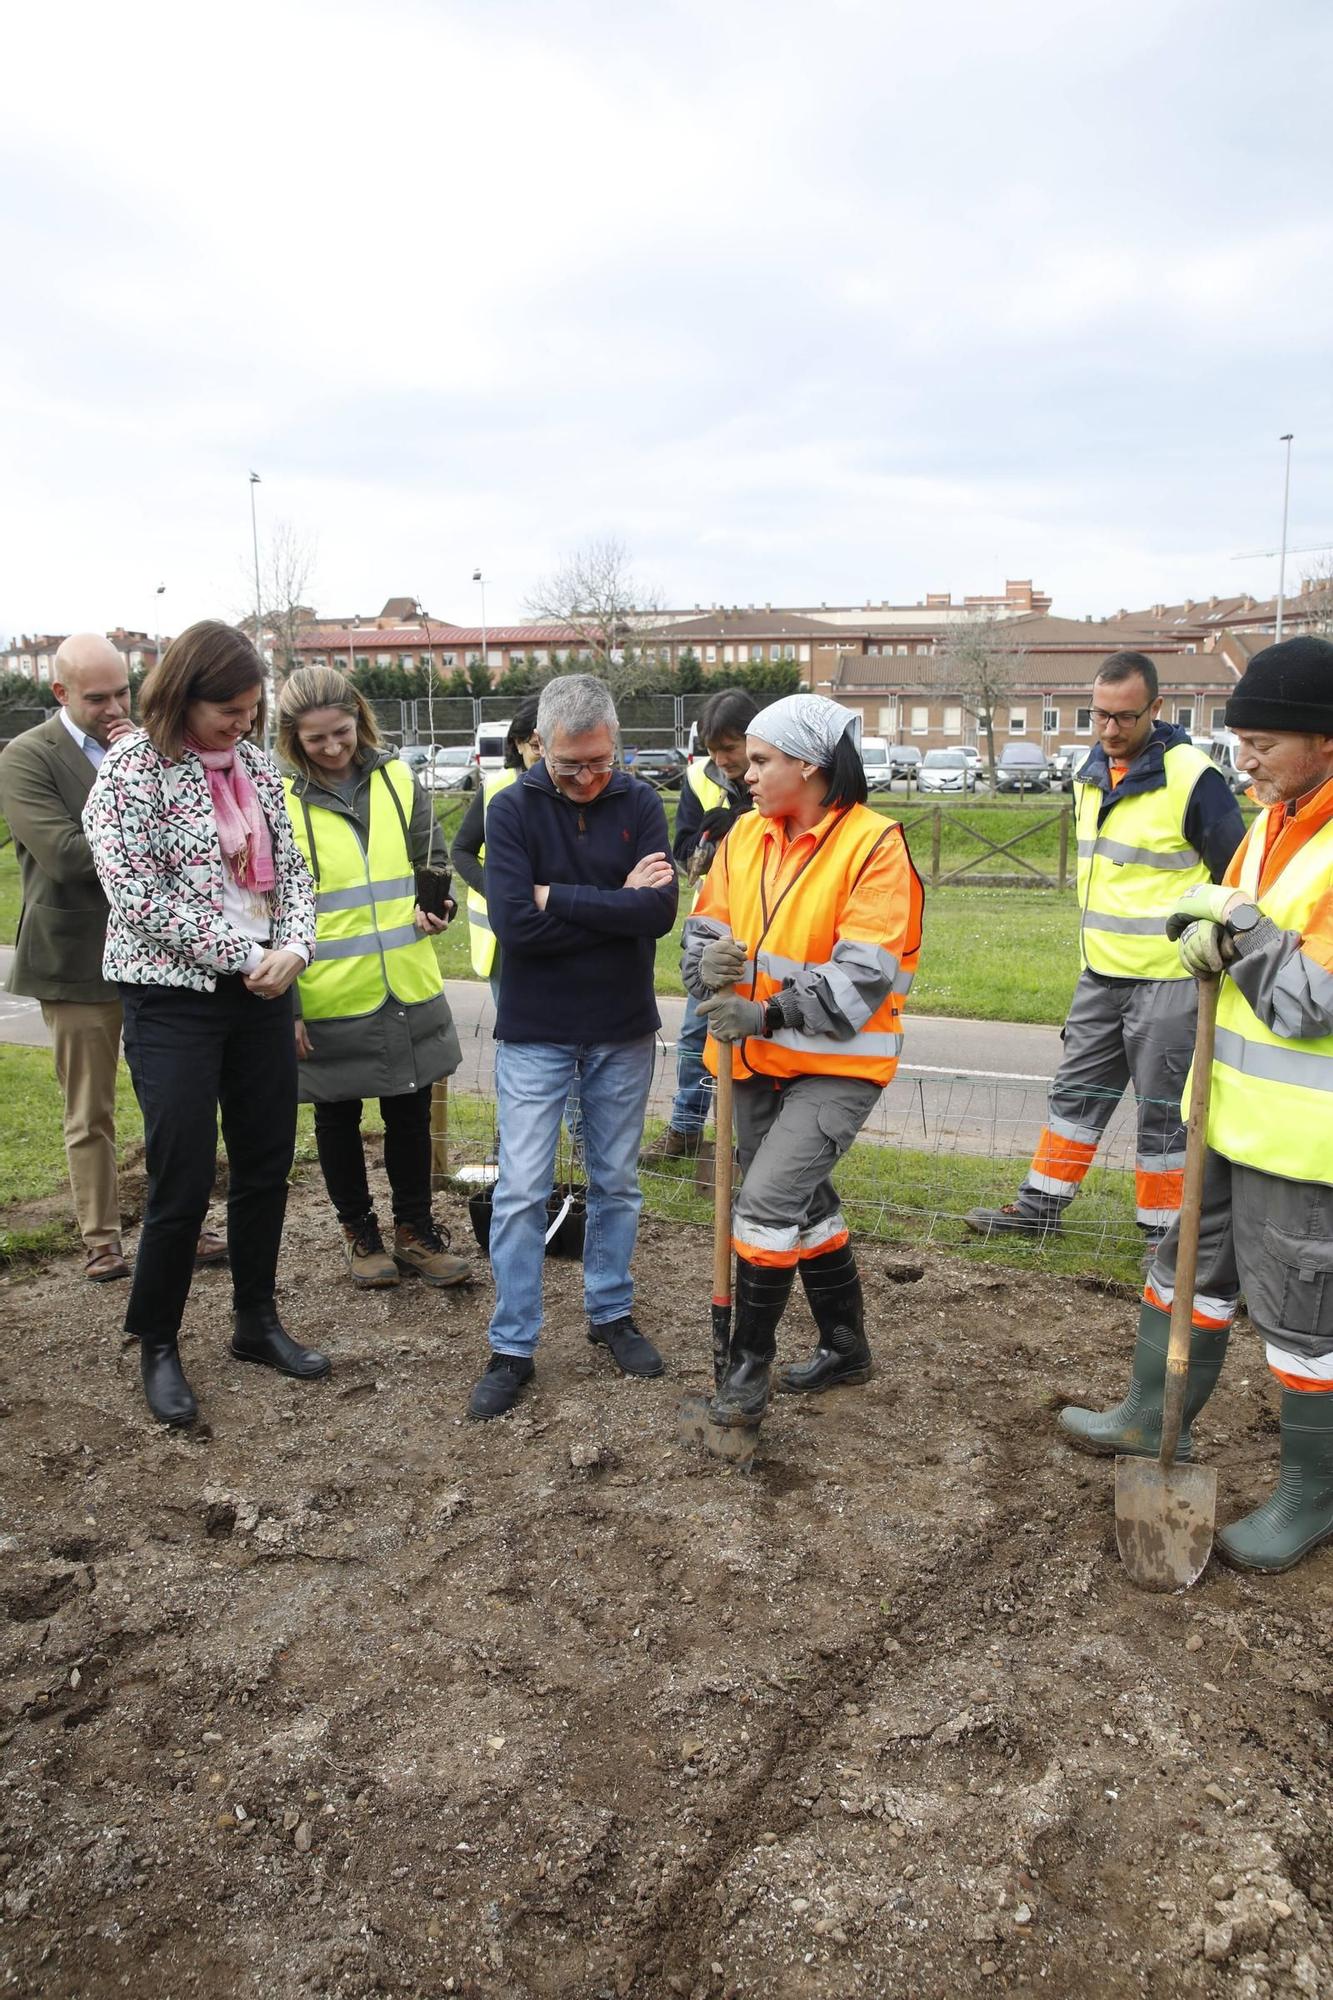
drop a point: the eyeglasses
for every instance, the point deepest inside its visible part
(596, 767)
(1122, 719)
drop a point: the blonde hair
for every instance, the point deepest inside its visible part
(321, 687)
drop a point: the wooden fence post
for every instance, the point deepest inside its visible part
(439, 1132)
(936, 821)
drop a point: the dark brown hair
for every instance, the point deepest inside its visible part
(1123, 667)
(208, 662)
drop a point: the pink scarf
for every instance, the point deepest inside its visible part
(243, 835)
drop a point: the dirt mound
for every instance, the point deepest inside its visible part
(343, 1696)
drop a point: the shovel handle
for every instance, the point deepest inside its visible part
(1187, 1241)
(722, 1178)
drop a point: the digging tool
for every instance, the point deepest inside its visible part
(1164, 1512)
(736, 1444)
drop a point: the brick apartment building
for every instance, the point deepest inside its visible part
(34, 657)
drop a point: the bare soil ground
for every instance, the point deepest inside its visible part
(342, 1696)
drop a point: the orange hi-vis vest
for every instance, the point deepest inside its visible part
(849, 880)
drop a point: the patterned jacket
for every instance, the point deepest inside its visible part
(155, 846)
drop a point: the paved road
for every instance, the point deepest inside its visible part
(964, 1086)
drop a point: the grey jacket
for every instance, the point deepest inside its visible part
(45, 780)
(399, 1049)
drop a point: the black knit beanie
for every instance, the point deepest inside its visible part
(1286, 687)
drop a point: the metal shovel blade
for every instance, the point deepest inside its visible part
(735, 1443)
(1164, 1521)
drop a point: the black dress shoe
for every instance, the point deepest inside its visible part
(632, 1351)
(506, 1377)
(170, 1397)
(260, 1336)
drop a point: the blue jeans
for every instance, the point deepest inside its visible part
(694, 1086)
(532, 1082)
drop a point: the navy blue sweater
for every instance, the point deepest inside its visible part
(1213, 825)
(581, 970)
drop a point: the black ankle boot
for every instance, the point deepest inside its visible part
(261, 1336)
(842, 1358)
(762, 1292)
(170, 1397)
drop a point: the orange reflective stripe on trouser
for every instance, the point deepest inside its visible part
(1212, 1315)
(821, 1237)
(780, 1249)
(1305, 1385)
(1157, 1193)
(1059, 1163)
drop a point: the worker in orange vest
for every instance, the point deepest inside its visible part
(802, 948)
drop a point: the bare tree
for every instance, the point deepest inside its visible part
(1314, 606)
(982, 660)
(608, 613)
(287, 564)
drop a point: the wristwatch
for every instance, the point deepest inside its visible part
(774, 1018)
(1243, 918)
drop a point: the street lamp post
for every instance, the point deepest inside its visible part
(477, 577)
(259, 614)
(157, 629)
(1282, 560)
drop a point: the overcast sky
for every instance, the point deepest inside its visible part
(838, 303)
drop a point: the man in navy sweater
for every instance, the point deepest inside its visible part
(579, 886)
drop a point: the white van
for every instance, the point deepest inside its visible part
(488, 748)
(878, 768)
(1221, 746)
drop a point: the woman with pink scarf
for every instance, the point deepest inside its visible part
(212, 916)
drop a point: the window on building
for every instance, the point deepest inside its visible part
(1018, 721)
(448, 659)
(900, 649)
(888, 721)
(728, 655)
(384, 659)
(1082, 722)
(920, 721)
(474, 659)
(1219, 715)
(405, 662)
(710, 656)
(1185, 714)
(756, 655)
(1050, 721)
(427, 660)
(953, 720)
(803, 654)
(542, 658)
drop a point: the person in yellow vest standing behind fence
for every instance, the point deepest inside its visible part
(468, 852)
(1267, 1214)
(1155, 817)
(372, 1017)
(802, 948)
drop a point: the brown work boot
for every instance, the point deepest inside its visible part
(210, 1250)
(419, 1250)
(369, 1262)
(674, 1145)
(105, 1261)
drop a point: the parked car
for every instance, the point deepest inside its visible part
(415, 755)
(1020, 767)
(452, 770)
(974, 761)
(878, 766)
(1221, 746)
(1067, 762)
(663, 769)
(904, 761)
(488, 748)
(946, 771)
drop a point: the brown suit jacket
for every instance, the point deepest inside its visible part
(44, 780)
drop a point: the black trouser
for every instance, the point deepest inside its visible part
(190, 1055)
(406, 1157)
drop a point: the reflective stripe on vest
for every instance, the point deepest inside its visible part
(366, 944)
(480, 936)
(1271, 1103)
(802, 930)
(1132, 872)
(709, 794)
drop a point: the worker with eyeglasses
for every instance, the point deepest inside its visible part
(1155, 817)
(580, 885)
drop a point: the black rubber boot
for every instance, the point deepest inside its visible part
(842, 1359)
(261, 1336)
(1134, 1426)
(170, 1397)
(1298, 1515)
(762, 1292)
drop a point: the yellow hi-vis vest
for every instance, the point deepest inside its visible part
(480, 936)
(1271, 1103)
(709, 794)
(1132, 870)
(366, 944)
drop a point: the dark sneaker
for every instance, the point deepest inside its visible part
(1013, 1220)
(632, 1351)
(506, 1377)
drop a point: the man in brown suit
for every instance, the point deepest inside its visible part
(45, 777)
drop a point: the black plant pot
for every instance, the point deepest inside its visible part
(566, 1213)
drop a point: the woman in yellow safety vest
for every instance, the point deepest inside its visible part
(468, 852)
(373, 1020)
(802, 947)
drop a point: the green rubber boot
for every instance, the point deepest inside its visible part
(1299, 1515)
(1134, 1426)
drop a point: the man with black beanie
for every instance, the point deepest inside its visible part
(1266, 1227)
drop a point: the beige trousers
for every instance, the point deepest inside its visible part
(86, 1038)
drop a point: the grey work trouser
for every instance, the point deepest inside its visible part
(790, 1135)
(1273, 1240)
(1139, 1032)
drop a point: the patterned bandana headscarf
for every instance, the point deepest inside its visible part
(243, 835)
(804, 726)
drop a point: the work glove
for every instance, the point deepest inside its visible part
(731, 1019)
(1205, 949)
(714, 824)
(1205, 903)
(721, 963)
